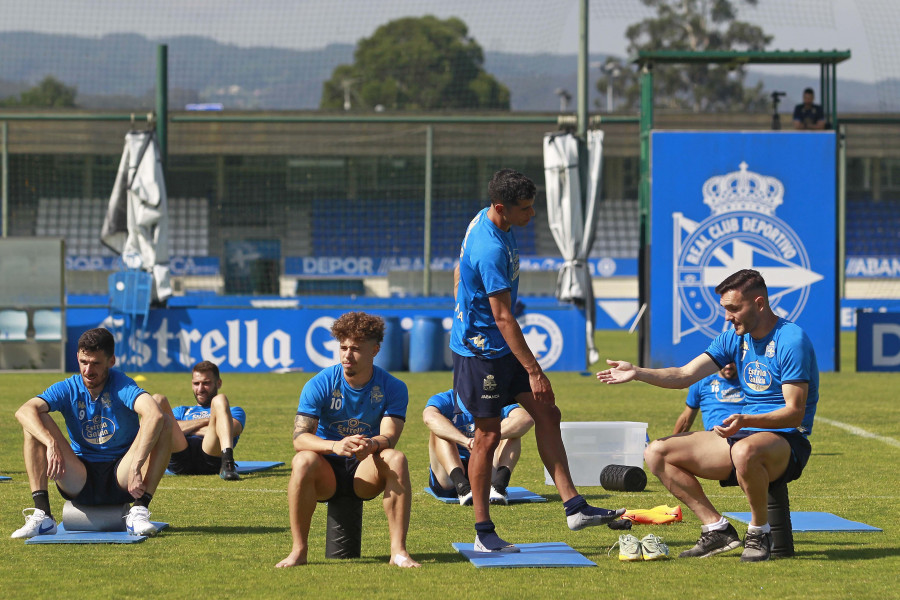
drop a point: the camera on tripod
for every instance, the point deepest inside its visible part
(776, 119)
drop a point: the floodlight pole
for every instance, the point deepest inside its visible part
(429, 166)
(583, 71)
(162, 103)
(644, 211)
(4, 185)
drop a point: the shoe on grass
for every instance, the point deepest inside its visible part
(629, 548)
(714, 542)
(653, 548)
(229, 471)
(757, 547)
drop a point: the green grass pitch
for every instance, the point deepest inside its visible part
(225, 537)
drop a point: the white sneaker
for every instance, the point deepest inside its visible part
(137, 521)
(498, 497)
(37, 523)
(466, 499)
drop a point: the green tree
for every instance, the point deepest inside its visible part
(49, 93)
(416, 64)
(691, 25)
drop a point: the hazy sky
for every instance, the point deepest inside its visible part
(869, 28)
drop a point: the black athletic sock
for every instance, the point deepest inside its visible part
(574, 505)
(227, 455)
(460, 481)
(42, 501)
(500, 480)
(484, 527)
(144, 500)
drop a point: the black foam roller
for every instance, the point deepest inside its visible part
(780, 521)
(343, 536)
(623, 478)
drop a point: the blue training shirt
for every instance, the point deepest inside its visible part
(343, 410)
(192, 413)
(100, 430)
(488, 265)
(717, 398)
(449, 405)
(785, 355)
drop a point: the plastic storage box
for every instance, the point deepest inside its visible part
(591, 445)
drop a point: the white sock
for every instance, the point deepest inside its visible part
(757, 529)
(719, 525)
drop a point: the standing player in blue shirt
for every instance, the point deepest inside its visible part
(764, 444)
(204, 435)
(492, 364)
(716, 398)
(120, 440)
(348, 422)
(450, 443)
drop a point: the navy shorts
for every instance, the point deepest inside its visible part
(101, 485)
(438, 489)
(486, 386)
(344, 468)
(193, 460)
(800, 451)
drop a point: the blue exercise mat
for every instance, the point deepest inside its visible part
(546, 554)
(91, 537)
(252, 466)
(813, 521)
(5, 478)
(515, 495)
(249, 466)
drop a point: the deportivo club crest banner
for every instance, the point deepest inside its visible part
(725, 201)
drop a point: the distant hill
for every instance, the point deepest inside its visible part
(119, 72)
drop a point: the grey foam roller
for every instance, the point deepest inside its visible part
(104, 517)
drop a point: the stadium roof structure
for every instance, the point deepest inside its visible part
(808, 57)
(826, 59)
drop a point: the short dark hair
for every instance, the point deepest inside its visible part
(206, 366)
(809, 91)
(509, 187)
(97, 339)
(743, 281)
(358, 326)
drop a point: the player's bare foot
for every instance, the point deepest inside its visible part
(294, 559)
(404, 560)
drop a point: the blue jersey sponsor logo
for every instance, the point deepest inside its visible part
(351, 427)
(757, 376)
(98, 430)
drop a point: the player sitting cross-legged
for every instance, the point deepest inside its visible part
(450, 443)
